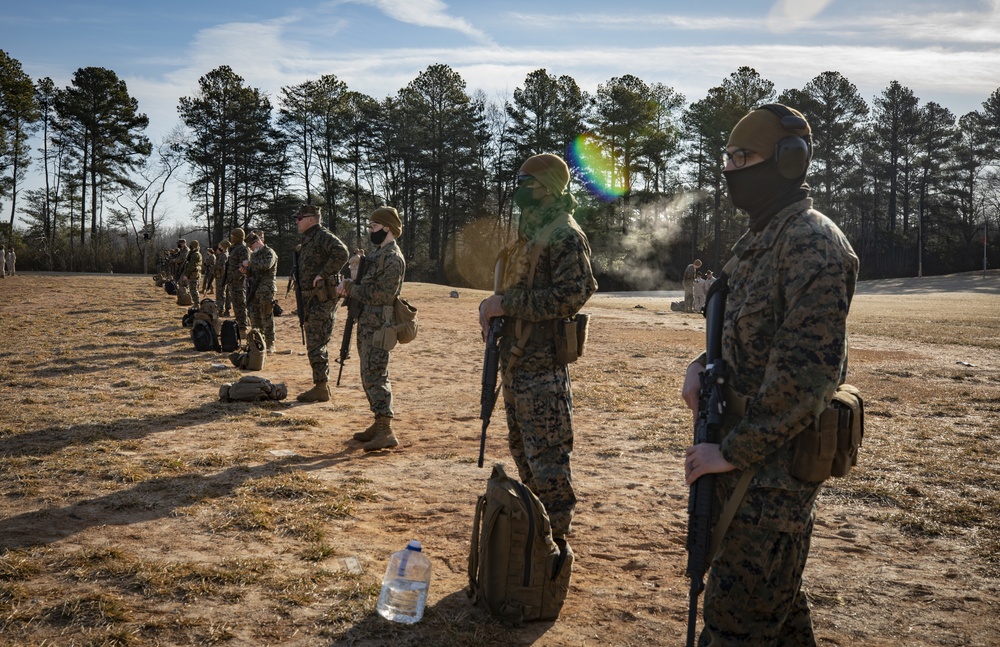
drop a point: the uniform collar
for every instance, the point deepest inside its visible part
(765, 238)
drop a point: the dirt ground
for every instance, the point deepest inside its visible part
(136, 509)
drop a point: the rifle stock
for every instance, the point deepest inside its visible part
(711, 409)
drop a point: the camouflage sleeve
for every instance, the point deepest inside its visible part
(382, 282)
(336, 256)
(193, 264)
(807, 355)
(572, 283)
(265, 260)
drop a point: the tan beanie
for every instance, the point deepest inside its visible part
(548, 169)
(225, 244)
(237, 236)
(195, 245)
(761, 130)
(389, 217)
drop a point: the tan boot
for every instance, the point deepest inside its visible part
(319, 393)
(384, 438)
(367, 434)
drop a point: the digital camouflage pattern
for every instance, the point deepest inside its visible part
(263, 271)
(234, 283)
(538, 398)
(785, 341)
(208, 271)
(221, 258)
(379, 287)
(321, 253)
(192, 273)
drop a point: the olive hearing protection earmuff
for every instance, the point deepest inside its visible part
(792, 153)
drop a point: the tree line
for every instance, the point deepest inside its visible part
(915, 188)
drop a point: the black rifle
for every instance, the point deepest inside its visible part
(299, 301)
(711, 408)
(353, 310)
(490, 391)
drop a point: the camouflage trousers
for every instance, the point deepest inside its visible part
(374, 372)
(207, 283)
(225, 301)
(754, 596)
(319, 319)
(262, 315)
(238, 297)
(539, 407)
(192, 288)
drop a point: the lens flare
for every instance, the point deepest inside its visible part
(593, 166)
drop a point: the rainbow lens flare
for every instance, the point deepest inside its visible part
(593, 165)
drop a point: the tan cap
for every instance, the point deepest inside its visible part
(389, 217)
(761, 130)
(548, 169)
(236, 236)
(308, 211)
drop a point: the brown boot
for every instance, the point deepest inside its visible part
(319, 393)
(384, 438)
(367, 434)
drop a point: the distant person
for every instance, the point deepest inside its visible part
(687, 280)
(261, 271)
(222, 291)
(238, 252)
(180, 260)
(321, 259)
(11, 261)
(3, 262)
(208, 271)
(784, 342)
(698, 292)
(709, 280)
(192, 272)
(376, 291)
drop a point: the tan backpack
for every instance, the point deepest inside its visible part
(251, 359)
(252, 388)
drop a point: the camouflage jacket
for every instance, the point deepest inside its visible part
(192, 267)
(562, 284)
(262, 271)
(180, 261)
(320, 254)
(380, 285)
(220, 264)
(237, 254)
(785, 335)
(208, 266)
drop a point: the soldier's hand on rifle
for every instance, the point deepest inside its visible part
(317, 280)
(490, 308)
(344, 287)
(692, 385)
(704, 458)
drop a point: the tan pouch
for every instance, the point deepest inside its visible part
(384, 338)
(320, 292)
(829, 447)
(566, 341)
(582, 322)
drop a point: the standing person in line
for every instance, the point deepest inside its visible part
(699, 293)
(321, 258)
(238, 252)
(261, 272)
(221, 268)
(11, 260)
(192, 272)
(784, 339)
(537, 392)
(3, 262)
(376, 291)
(690, 274)
(180, 261)
(208, 271)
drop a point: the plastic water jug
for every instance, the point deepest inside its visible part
(405, 585)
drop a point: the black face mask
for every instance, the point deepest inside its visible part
(524, 197)
(762, 192)
(378, 237)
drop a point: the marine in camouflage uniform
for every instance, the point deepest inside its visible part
(208, 270)
(321, 258)
(262, 270)
(221, 259)
(192, 271)
(238, 252)
(537, 393)
(376, 291)
(179, 262)
(785, 342)
(687, 282)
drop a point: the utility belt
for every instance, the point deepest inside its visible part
(325, 290)
(827, 447)
(567, 336)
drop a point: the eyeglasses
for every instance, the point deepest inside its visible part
(523, 179)
(300, 218)
(738, 157)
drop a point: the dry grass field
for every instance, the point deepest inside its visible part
(137, 509)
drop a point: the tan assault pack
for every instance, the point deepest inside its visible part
(251, 359)
(252, 388)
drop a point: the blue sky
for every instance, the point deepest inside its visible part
(945, 51)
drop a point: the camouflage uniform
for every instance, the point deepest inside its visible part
(687, 282)
(208, 267)
(537, 393)
(320, 254)
(785, 341)
(262, 272)
(222, 291)
(378, 288)
(180, 262)
(234, 284)
(192, 272)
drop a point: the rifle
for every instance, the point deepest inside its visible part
(353, 310)
(299, 301)
(711, 408)
(491, 366)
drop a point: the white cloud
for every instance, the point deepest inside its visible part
(425, 13)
